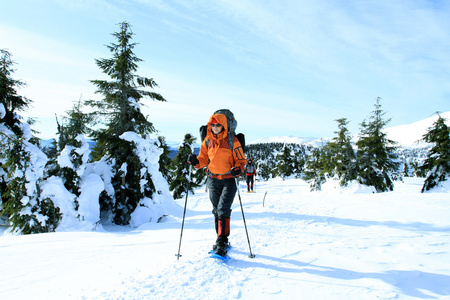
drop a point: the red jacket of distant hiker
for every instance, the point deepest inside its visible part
(215, 153)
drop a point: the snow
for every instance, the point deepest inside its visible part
(2, 111)
(91, 187)
(410, 135)
(334, 244)
(150, 210)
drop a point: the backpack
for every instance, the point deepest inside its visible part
(231, 124)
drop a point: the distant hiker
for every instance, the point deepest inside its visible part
(223, 164)
(250, 171)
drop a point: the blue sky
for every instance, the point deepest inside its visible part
(285, 68)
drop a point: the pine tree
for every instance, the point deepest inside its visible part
(406, 169)
(73, 149)
(342, 156)
(164, 159)
(264, 170)
(74, 123)
(285, 163)
(315, 173)
(25, 164)
(21, 162)
(180, 167)
(199, 177)
(437, 163)
(10, 121)
(120, 110)
(376, 154)
(299, 162)
(11, 102)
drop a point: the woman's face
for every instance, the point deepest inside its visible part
(216, 128)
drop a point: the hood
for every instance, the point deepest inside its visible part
(222, 119)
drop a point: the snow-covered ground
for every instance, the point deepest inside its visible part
(334, 244)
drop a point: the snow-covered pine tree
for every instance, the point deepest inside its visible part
(285, 163)
(437, 163)
(73, 149)
(301, 160)
(267, 156)
(265, 171)
(120, 112)
(180, 169)
(342, 156)
(22, 163)
(10, 104)
(27, 212)
(315, 173)
(376, 155)
(406, 169)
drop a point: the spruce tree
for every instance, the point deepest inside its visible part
(264, 170)
(74, 123)
(437, 163)
(180, 169)
(21, 162)
(376, 155)
(27, 212)
(315, 173)
(164, 159)
(299, 162)
(120, 112)
(10, 122)
(73, 148)
(285, 163)
(11, 102)
(342, 156)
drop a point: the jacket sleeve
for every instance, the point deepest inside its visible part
(238, 155)
(203, 156)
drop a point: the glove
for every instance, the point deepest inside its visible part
(192, 159)
(236, 171)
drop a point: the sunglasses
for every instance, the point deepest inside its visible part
(216, 125)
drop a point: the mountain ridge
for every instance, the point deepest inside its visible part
(407, 135)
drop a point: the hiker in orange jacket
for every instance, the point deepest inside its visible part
(223, 166)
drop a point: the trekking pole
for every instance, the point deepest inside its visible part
(184, 214)
(251, 255)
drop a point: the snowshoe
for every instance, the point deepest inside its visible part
(220, 251)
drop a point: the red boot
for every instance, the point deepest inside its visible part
(223, 231)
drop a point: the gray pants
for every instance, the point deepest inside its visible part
(221, 194)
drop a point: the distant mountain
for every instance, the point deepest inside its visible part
(407, 136)
(410, 135)
(47, 143)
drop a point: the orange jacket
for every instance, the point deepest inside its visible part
(217, 154)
